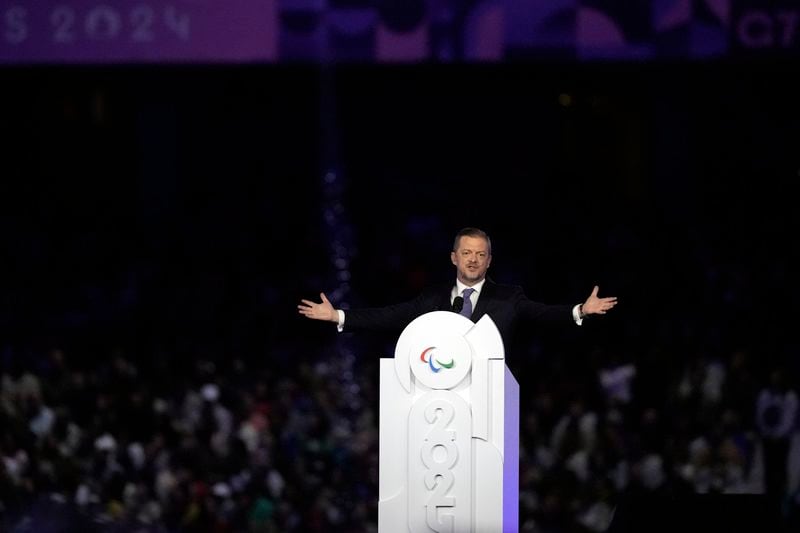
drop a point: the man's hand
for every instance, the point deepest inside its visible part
(318, 311)
(597, 306)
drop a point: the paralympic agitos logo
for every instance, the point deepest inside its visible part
(435, 364)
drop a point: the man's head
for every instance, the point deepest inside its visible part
(471, 255)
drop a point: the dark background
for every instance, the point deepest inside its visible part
(173, 216)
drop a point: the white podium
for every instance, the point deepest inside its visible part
(449, 430)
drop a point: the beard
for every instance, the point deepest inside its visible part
(473, 275)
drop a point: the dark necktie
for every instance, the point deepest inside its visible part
(467, 309)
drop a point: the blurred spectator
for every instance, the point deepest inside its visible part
(776, 420)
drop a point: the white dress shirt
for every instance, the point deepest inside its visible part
(459, 289)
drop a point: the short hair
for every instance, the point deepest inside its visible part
(472, 232)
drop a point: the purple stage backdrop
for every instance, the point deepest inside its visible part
(147, 31)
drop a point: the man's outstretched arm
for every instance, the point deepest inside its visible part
(387, 318)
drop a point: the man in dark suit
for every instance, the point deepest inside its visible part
(473, 295)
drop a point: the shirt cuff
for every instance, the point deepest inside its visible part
(576, 314)
(340, 324)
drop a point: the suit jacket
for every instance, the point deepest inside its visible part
(507, 306)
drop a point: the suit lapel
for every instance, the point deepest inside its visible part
(444, 294)
(484, 301)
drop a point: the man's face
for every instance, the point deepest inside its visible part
(472, 259)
